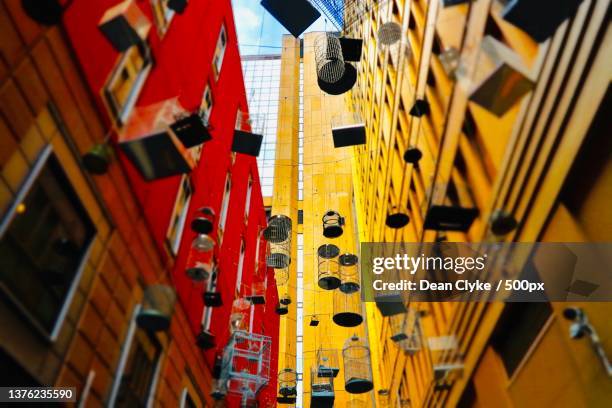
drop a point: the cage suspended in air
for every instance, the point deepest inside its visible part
(357, 366)
(241, 312)
(349, 273)
(327, 362)
(329, 269)
(328, 57)
(321, 388)
(332, 224)
(405, 331)
(278, 236)
(287, 382)
(157, 308)
(347, 309)
(281, 276)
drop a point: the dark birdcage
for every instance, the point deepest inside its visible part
(327, 362)
(157, 308)
(349, 273)
(287, 382)
(357, 366)
(405, 331)
(329, 268)
(321, 388)
(347, 309)
(278, 236)
(204, 222)
(332, 224)
(200, 271)
(328, 57)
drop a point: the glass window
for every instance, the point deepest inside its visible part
(225, 205)
(162, 15)
(220, 51)
(126, 81)
(240, 269)
(207, 104)
(138, 369)
(179, 215)
(247, 205)
(44, 240)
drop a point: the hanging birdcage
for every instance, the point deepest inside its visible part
(287, 382)
(347, 309)
(281, 276)
(328, 57)
(98, 158)
(349, 273)
(321, 388)
(413, 155)
(204, 222)
(389, 33)
(281, 309)
(329, 269)
(397, 218)
(405, 331)
(246, 364)
(314, 321)
(446, 358)
(239, 317)
(257, 293)
(205, 340)
(327, 362)
(348, 129)
(203, 243)
(200, 271)
(332, 224)
(357, 366)
(157, 308)
(278, 236)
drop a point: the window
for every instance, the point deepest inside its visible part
(162, 14)
(247, 205)
(138, 368)
(179, 215)
(225, 206)
(186, 400)
(239, 272)
(220, 51)
(126, 81)
(207, 103)
(44, 241)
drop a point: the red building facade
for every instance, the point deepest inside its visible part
(191, 60)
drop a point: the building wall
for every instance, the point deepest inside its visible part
(525, 161)
(51, 83)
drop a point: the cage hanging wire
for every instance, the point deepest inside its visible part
(328, 57)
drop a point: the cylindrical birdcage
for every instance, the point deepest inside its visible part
(204, 222)
(200, 271)
(239, 318)
(329, 269)
(157, 308)
(357, 366)
(347, 309)
(203, 243)
(349, 273)
(328, 57)
(332, 224)
(287, 382)
(327, 362)
(281, 276)
(278, 236)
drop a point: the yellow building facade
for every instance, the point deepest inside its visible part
(542, 160)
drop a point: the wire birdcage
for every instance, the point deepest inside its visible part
(389, 33)
(321, 388)
(328, 57)
(157, 308)
(347, 309)
(357, 366)
(287, 382)
(246, 364)
(327, 362)
(405, 331)
(278, 237)
(349, 273)
(281, 276)
(329, 268)
(332, 224)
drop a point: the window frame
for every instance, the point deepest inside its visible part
(124, 356)
(121, 113)
(158, 7)
(174, 243)
(225, 202)
(247, 201)
(5, 223)
(220, 48)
